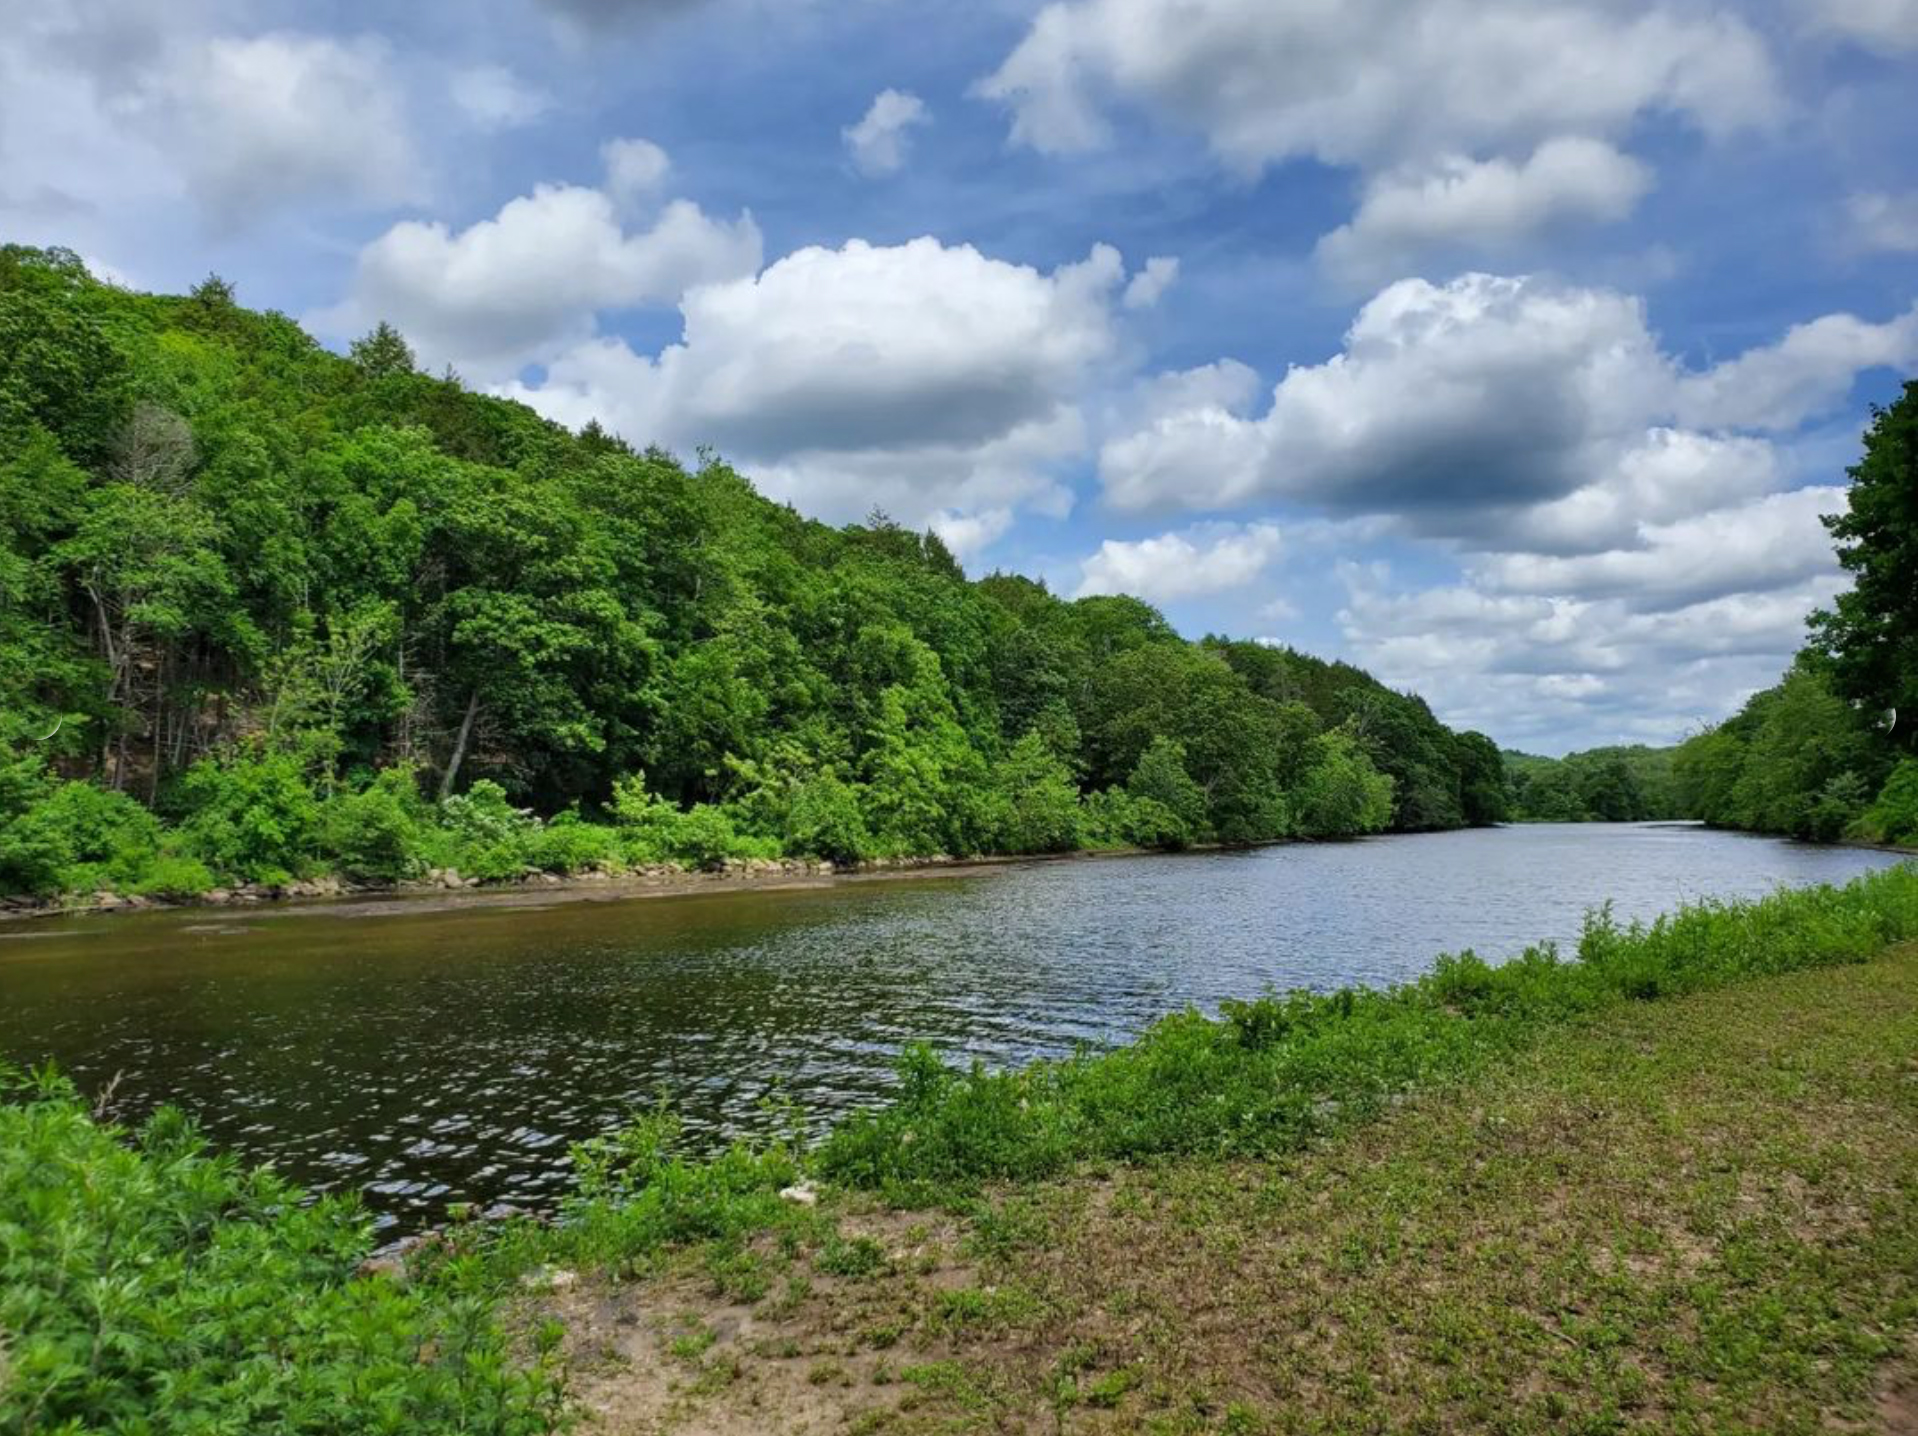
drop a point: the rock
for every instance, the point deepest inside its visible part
(548, 1278)
(108, 900)
(217, 896)
(449, 878)
(470, 883)
(804, 1193)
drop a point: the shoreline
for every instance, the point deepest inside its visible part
(336, 898)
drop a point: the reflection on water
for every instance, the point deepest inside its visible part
(452, 1056)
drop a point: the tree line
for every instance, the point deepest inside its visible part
(1827, 752)
(268, 611)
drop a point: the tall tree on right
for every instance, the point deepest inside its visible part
(1871, 632)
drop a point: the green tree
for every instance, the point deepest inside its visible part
(1871, 631)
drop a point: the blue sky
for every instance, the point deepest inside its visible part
(1509, 349)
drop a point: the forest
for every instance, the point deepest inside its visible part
(268, 611)
(1631, 784)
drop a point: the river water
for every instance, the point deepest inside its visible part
(448, 1056)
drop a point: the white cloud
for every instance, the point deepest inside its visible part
(1483, 393)
(526, 284)
(878, 142)
(1887, 222)
(1773, 542)
(1559, 671)
(494, 98)
(112, 119)
(1497, 407)
(1459, 203)
(1173, 566)
(1368, 83)
(1888, 25)
(1808, 372)
(283, 117)
(635, 169)
(1149, 285)
(930, 379)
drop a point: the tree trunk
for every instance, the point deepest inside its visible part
(459, 747)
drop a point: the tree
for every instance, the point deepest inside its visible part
(383, 352)
(1160, 777)
(1871, 632)
(1342, 794)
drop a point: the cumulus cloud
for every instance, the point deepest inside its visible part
(526, 284)
(1494, 405)
(1559, 671)
(1173, 566)
(111, 117)
(931, 379)
(1365, 83)
(879, 141)
(1808, 372)
(1150, 284)
(1481, 206)
(1773, 542)
(635, 169)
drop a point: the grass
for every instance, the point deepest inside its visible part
(1696, 1215)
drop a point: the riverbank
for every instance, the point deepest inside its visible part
(448, 890)
(1699, 1214)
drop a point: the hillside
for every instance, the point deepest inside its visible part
(329, 613)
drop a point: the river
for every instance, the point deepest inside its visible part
(447, 1056)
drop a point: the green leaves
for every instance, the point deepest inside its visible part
(147, 1286)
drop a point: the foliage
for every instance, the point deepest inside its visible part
(148, 1286)
(249, 815)
(1631, 784)
(1871, 632)
(1342, 795)
(234, 566)
(375, 833)
(1797, 760)
(1893, 816)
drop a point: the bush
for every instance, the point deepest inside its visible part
(147, 1286)
(376, 832)
(249, 816)
(1034, 804)
(1115, 818)
(74, 835)
(570, 844)
(172, 878)
(826, 821)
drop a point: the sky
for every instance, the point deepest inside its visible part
(1510, 348)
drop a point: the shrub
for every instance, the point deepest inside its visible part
(74, 835)
(570, 844)
(1034, 804)
(147, 1286)
(826, 821)
(1114, 818)
(172, 878)
(249, 816)
(375, 833)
